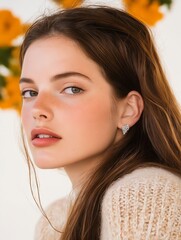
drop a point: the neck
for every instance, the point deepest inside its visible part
(79, 172)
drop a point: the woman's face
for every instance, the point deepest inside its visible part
(68, 113)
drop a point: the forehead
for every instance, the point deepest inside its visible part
(56, 50)
(53, 45)
(53, 55)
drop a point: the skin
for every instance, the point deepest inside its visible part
(88, 118)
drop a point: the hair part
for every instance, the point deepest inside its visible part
(123, 47)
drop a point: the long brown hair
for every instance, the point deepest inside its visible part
(123, 47)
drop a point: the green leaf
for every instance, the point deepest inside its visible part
(2, 81)
(164, 2)
(167, 2)
(5, 54)
(2, 85)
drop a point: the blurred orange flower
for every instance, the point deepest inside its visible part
(11, 94)
(69, 3)
(145, 10)
(10, 27)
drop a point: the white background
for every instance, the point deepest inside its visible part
(18, 212)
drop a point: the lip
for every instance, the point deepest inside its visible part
(43, 142)
(37, 131)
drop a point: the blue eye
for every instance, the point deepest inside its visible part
(73, 90)
(29, 94)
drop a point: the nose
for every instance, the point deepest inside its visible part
(37, 115)
(42, 109)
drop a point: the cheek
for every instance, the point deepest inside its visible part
(92, 122)
(25, 118)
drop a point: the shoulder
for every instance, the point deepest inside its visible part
(144, 178)
(145, 201)
(57, 214)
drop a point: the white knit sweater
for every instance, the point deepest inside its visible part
(142, 205)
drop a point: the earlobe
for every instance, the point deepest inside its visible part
(131, 109)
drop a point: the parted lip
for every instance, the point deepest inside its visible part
(37, 131)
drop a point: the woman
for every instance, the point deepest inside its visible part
(96, 102)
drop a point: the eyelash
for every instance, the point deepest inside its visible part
(73, 87)
(34, 92)
(26, 91)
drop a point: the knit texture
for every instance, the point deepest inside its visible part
(142, 205)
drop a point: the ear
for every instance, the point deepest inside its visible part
(130, 109)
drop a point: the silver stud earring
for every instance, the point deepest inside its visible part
(125, 129)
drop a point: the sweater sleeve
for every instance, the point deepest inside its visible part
(57, 214)
(143, 205)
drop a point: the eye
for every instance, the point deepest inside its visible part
(29, 94)
(73, 90)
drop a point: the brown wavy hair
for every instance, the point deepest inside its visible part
(123, 47)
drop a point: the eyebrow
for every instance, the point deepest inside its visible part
(57, 77)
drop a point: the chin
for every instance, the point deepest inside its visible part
(42, 164)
